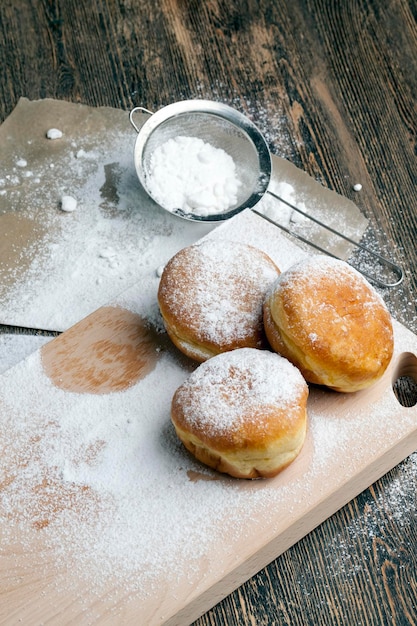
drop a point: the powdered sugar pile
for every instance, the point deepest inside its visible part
(68, 203)
(190, 174)
(54, 133)
(281, 212)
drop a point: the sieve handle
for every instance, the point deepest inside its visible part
(135, 110)
(389, 266)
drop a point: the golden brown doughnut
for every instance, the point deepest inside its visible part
(211, 296)
(243, 413)
(325, 317)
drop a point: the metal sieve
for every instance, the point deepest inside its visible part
(218, 125)
(224, 128)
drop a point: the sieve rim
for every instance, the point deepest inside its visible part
(218, 109)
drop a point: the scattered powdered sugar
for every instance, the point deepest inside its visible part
(61, 274)
(269, 115)
(292, 200)
(15, 348)
(190, 174)
(380, 512)
(104, 483)
(236, 386)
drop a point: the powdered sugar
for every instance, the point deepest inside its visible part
(216, 290)
(54, 133)
(239, 386)
(279, 211)
(380, 514)
(15, 348)
(318, 268)
(103, 482)
(68, 203)
(189, 174)
(63, 275)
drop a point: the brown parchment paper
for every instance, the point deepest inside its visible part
(56, 267)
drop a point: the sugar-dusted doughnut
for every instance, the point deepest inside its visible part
(326, 318)
(211, 296)
(243, 413)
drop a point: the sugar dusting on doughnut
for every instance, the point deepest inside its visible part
(211, 296)
(326, 318)
(243, 413)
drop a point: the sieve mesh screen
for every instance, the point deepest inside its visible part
(222, 128)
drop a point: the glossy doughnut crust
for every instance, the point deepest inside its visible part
(211, 296)
(325, 317)
(243, 413)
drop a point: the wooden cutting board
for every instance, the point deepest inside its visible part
(104, 518)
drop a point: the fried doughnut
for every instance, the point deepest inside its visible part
(326, 318)
(243, 413)
(211, 296)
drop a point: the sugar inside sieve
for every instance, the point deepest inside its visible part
(223, 128)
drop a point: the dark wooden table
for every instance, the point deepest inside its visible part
(333, 86)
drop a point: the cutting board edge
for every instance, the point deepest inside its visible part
(298, 530)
